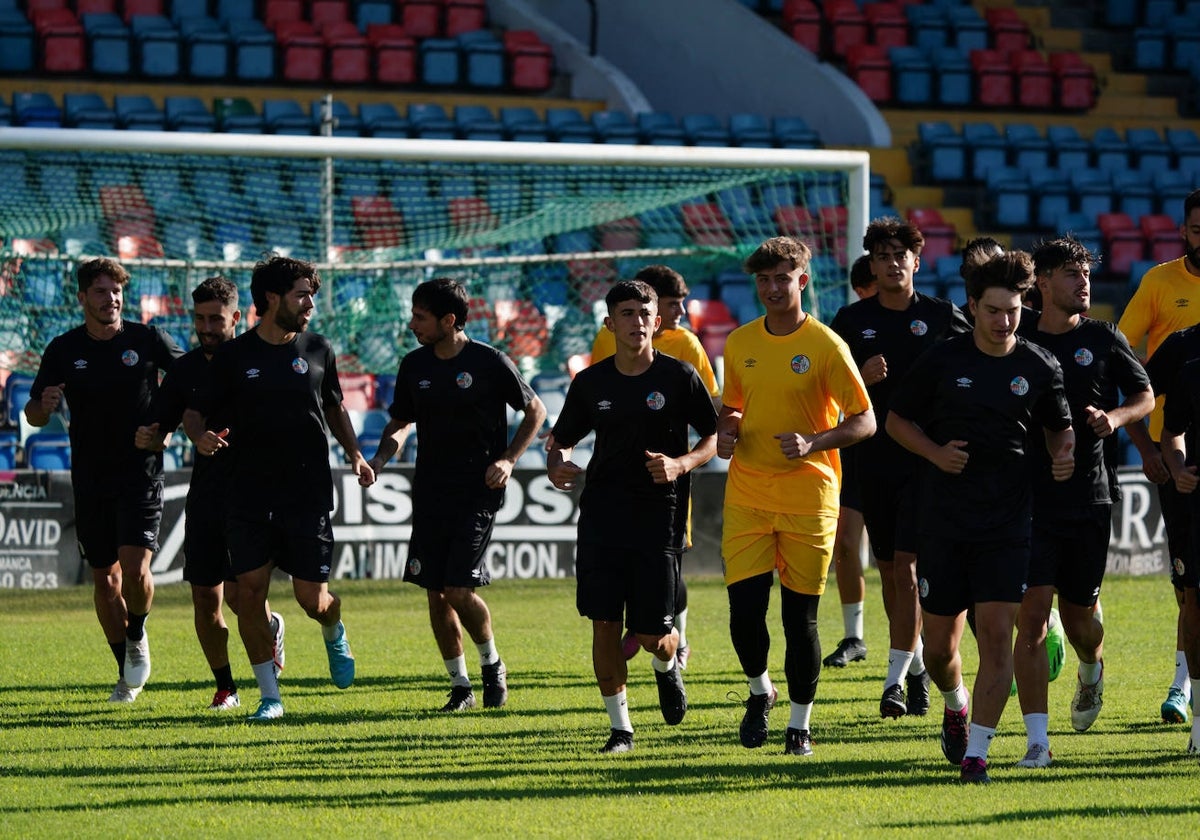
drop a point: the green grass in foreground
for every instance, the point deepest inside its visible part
(376, 761)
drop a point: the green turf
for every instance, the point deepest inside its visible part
(376, 761)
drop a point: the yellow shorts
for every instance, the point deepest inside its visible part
(756, 542)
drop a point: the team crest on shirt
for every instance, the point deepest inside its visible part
(655, 401)
(1084, 357)
(424, 384)
(414, 566)
(300, 365)
(1019, 386)
(464, 380)
(869, 333)
(800, 364)
(1179, 565)
(918, 327)
(129, 358)
(923, 587)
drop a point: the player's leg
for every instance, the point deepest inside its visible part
(96, 535)
(253, 546)
(600, 596)
(1177, 519)
(852, 587)
(1191, 638)
(1079, 582)
(652, 598)
(466, 568)
(139, 514)
(944, 594)
(1032, 671)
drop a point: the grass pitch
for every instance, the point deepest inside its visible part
(376, 760)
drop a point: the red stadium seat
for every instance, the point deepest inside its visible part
(793, 220)
(1009, 32)
(1163, 242)
(1075, 81)
(471, 214)
(465, 16)
(802, 20)
(132, 8)
(530, 60)
(422, 18)
(95, 7)
(348, 53)
(377, 222)
(871, 70)
(394, 54)
(302, 51)
(887, 23)
(277, 11)
(845, 25)
(993, 78)
(322, 12)
(707, 224)
(833, 221)
(1033, 79)
(620, 234)
(60, 41)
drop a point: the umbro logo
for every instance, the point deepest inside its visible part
(424, 384)
(963, 382)
(750, 363)
(253, 373)
(1182, 303)
(81, 364)
(868, 333)
(604, 405)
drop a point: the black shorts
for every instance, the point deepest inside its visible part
(889, 507)
(1177, 518)
(953, 575)
(851, 496)
(638, 586)
(1185, 568)
(205, 549)
(1071, 555)
(448, 547)
(128, 514)
(300, 544)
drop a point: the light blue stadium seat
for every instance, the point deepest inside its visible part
(109, 44)
(17, 42)
(207, 47)
(159, 52)
(439, 61)
(986, 149)
(253, 47)
(48, 451)
(188, 113)
(88, 110)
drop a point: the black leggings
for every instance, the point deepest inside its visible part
(748, 602)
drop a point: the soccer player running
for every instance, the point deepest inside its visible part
(634, 506)
(1181, 419)
(969, 406)
(676, 340)
(1072, 519)
(793, 397)
(455, 390)
(273, 394)
(848, 542)
(107, 370)
(886, 334)
(1167, 300)
(215, 316)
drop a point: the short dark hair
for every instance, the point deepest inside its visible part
(1191, 203)
(624, 290)
(886, 228)
(1012, 271)
(89, 270)
(443, 296)
(666, 281)
(976, 252)
(216, 288)
(776, 250)
(1056, 253)
(860, 273)
(277, 274)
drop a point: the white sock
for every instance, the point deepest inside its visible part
(661, 666)
(1195, 699)
(1037, 729)
(618, 711)
(898, 662)
(333, 632)
(801, 712)
(487, 652)
(268, 684)
(1182, 680)
(1089, 672)
(852, 620)
(979, 739)
(1098, 612)
(681, 626)
(956, 698)
(918, 662)
(457, 669)
(760, 684)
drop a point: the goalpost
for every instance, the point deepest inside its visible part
(537, 231)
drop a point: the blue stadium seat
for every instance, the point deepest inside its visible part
(346, 122)
(568, 125)
(188, 113)
(614, 127)
(181, 10)
(1171, 191)
(476, 122)
(237, 116)
(48, 451)
(523, 124)
(987, 149)
(8, 450)
(1010, 196)
(1135, 193)
(207, 47)
(158, 46)
(1183, 33)
(929, 26)
(1093, 192)
(17, 42)
(704, 130)
(1149, 151)
(429, 120)
(1121, 14)
(108, 44)
(1149, 48)
(943, 152)
(381, 119)
(1070, 150)
(87, 110)
(955, 78)
(1027, 148)
(794, 133)
(229, 11)
(658, 128)
(367, 12)
(912, 75)
(1051, 192)
(1185, 148)
(1158, 13)
(36, 110)
(1110, 152)
(253, 47)
(285, 116)
(138, 112)
(483, 59)
(440, 60)
(969, 28)
(751, 130)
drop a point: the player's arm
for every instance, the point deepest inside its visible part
(848, 432)
(1152, 460)
(1061, 446)
(1174, 454)
(560, 469)
(343, 432)
(1135, 407)
(665, 469)
(498, 472)
(391, 441)
(949, 458)
(729, 423)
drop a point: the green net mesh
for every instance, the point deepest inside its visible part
(536, 244)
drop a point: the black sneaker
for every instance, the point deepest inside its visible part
(619, 741)
(954, 735)
(848, 650)
(892, 705)
(797, 742)
(672, 698)
(974, 771)
(495, 685)
(918, 693)
(461, 699)
(753, 730)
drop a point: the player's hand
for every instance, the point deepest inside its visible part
(662, 468)
(1099, 422)
(366, 473)
(149, 438)
(1186, 480)
(497, 474)
(1154, 468)
(563, 475)
(1062, 462)
(211, 442)
(726, 442)
(548, 437)
(793, 445)
(52, 396)
(874, 370)
(952, 457)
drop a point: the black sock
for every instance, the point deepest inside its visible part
(118, 652)
(224, 676)
(136, 627)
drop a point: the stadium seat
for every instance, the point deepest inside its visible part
(1122, 241)
(712, 321)
(345, 123)
(887, 24)
(48, 451)
(60, 41)
(954, 76)
(1161, 234)
(135, 111)
(301, 51)
(9, 443)
(431, 121)
(1110, 151)
(1134, 191)
(706, 224)
(969, 28)
(1185, 148)
(184, 9)
(253, 50)
(1149, 49)
(1149, 152)
(993, 78)
(188, 113)
(285, 116)
(1033, 79)
(704, 130)
(348, 52)
(464, 16)
(929, 26)
(159, 52)
(277, 11)
(530, 60)
(568, 125)
(108, 42)
(1027, 148)
(1009, 31)
(440, 61)
(658, 128)
(802, 21)
(370, 12)
(422, 18)
(1069, 150)
(912, 75)
(393, 53)
(36, 110)
(324, 12)
(794, 133)
(381, 119)
(869, 67)
(17, 42)
(750, 130)
(614, 127)
(845, 26)
(1093, 192)
(145, 8)
(1050, 189)
(207, 48)
(1075, 81)
(483, 58)
(987, 147)
(1009, 194)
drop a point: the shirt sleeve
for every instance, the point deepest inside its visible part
(574, 421)
(1129, 374)
(702, 415)
(331, 387)
(1138, 315)
(1178, 410)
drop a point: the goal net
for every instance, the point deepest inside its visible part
(536, 231)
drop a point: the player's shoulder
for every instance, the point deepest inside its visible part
(1037, 352)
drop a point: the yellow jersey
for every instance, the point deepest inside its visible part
(680, 344)
(1167, 300)
(802, 382)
